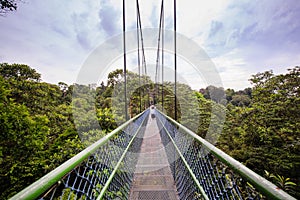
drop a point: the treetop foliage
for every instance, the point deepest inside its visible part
(18, 72)
(43, 125)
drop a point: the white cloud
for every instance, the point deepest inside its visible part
(233, 70)
(242, 37)
(51, 36)
(195, 16)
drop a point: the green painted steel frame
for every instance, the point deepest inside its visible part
(37, 188)
(119, 163)
(186, 164)
(261, 184)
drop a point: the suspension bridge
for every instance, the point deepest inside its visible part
(151, 158)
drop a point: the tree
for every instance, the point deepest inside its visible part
(240, 100)
(214, 93)
(265, 135)
(37, 129)
(7, 5)
(115, 77)
(229, 94)
(19, 72)
(22, 142)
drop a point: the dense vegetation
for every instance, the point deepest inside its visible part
(43, 124)
(37, 129)
(262, 129)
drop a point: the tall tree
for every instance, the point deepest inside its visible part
(19, 72)
(22, 141)
(266, 135)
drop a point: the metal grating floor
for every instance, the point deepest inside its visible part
(157, 195)
(153, 179)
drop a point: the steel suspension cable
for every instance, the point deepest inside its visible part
(142, 44)
(158, 46)
(125, 69)
(175, 62)
(138, 52)
(141, 34)
(162, 60)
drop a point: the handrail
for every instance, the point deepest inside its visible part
(37, 188)
(119, 163)
(264, 186)
(185, 163)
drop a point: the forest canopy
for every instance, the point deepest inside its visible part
(39, 128)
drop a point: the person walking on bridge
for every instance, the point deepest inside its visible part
(152, 112)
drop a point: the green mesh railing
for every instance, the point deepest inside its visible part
(202, 171)
(103, 170)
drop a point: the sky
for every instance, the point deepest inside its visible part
(241, 38)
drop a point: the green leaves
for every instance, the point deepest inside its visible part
(22, 140)
(265, 135)
(282, 182)
(18, 72)
(38, 133)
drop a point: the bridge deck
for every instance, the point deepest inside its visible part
(153, 178)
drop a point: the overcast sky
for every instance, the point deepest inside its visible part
(55, 37)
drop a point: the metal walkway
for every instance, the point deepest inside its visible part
(153, 178)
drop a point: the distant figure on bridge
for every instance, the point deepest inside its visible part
(152, 112)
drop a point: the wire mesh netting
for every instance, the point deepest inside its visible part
(118, 156)
(184, 168)
(188, 158)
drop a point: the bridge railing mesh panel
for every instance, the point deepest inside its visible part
(106, 174)
(200, 174)
(88, 179)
